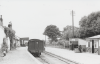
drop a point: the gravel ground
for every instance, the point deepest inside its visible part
(18, 56)
(83, 58)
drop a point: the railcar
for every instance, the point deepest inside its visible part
(36, 46)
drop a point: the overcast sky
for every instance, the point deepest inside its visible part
(30, 17)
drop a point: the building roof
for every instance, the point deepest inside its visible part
(95, 37)
(25, 38)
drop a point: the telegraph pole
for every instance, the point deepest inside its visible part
(45, 38)
(73, 22)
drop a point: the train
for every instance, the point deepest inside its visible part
(36, 46)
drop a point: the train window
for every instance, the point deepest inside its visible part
(37, 42)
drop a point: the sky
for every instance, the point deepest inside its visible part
(30, 17)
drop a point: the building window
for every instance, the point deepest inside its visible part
(88, 44)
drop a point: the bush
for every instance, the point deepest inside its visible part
(64, 43)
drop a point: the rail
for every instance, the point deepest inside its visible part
(60, 58)
(44, 61)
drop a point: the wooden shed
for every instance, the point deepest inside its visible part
(77, 41)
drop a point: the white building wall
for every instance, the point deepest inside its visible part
(96, 44)
(2, 35)
(82, 42)
(91, 44)
(87, 44)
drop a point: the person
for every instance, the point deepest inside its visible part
(4, 47)
(80, 48)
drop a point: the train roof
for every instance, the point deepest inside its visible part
(35, 40)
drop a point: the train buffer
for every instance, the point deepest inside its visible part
(18, 56)
(80, 58)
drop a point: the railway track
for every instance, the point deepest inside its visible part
(50, 58)
(43, 60)
(67, 61)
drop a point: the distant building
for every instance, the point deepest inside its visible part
(24, 41)
(76, 42)
(17, 41)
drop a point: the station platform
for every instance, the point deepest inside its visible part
(81, 58)
(18, 56)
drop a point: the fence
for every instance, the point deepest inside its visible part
(88, 49)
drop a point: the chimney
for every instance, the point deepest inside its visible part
(10, 25)
(1, 20)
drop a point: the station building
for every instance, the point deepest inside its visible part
(2, 34)
(94, 44)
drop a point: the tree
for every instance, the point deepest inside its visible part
(6, 31)
(52, 32)
(68, 32)
(11, 34)
(90, 25)
(83, 26)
